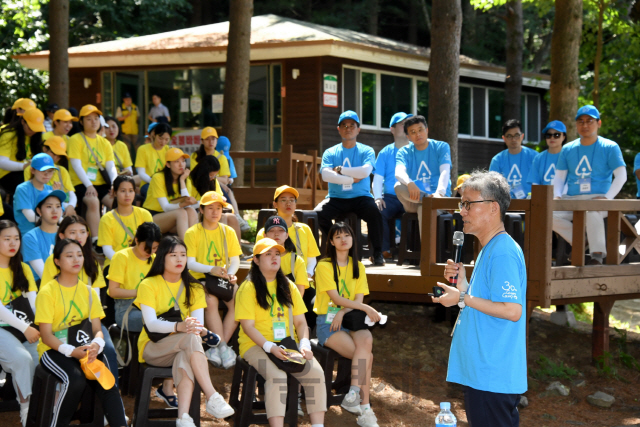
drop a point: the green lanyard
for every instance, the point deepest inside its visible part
(127, 238)
(281, 308)
(209, 244)
(71, 305)
(8, 292)
(343, 282)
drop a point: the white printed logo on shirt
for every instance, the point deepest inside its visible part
(424, 174)
(551, 173)
(583, 169)
(515, 177)
(510, 291)
(346, 163)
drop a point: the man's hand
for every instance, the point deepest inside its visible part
(381, 204)
(414, 191)
(278, 352)
(450, 297)
(356, 180)
(452, 269)
(600, 198)
(437, 195)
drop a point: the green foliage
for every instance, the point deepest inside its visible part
(250, 235)
(549, 369)
(583, 312)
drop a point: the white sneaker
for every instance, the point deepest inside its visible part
(351, 402)
(213, 354)
(185, 421)
(368, 419)
(300, 411)
(217, 407)
(228, 357)
(24, 411)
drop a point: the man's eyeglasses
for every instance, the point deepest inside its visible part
(467, 204)
(516, 136)
(553, 135)
(587, 122)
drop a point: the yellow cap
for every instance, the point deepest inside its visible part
(97, 370)
(57, 145)
(88, 109)
(461, 180)
(265, 244)
(35, 119)
(64, 115)
(175, 154)
(24, 103)
(207, 132)
(211, 197)
(285, 189)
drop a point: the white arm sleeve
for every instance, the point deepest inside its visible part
(378, 181)
(143, 175)
(152, 322)
(10, 165)
(401, 175)
(311, 264)
(73, 199)
(29, 214)
(108, 251)
(358, 172)
(234, 264)
(329, 175)
(166, 206)
(76, 164)
(184, 192)
(558, 182)
(31, 296)
(443, 182)
(619, 178)
(198, 314)
(111, 170)
(38, 266)
(8, 317)
(128, 169)
(194, 265)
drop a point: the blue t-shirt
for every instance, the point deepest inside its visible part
(360, 155)
(596, 161)
(515, 168)
(488, 353)
(25, 197)
(423, 166)
(37, 244)
(543, 169)
(636, 166)
(386, 167)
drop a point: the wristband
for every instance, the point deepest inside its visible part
(66, 349)
(175, 327)
(305, 343)
(100, 342)
(267, 346)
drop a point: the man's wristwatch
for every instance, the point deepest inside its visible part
(339, 170)
(461, 303)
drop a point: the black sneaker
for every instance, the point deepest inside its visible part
(378, 260)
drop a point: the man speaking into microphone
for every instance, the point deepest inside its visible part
(488, 351)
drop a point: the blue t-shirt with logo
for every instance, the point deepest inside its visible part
(515, 168)
(488, 353)
(636, 166)
(25, 197)
(37, 244)
(423, 166)
(596, 162)
(543, 169)
(360, 155)
(386, 167)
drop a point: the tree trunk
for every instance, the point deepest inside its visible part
(515, 42)
(565, 49)
(374, 6)
(236, 85)
(596, 66)
(444, 75)
(196, 17)
(58, 52)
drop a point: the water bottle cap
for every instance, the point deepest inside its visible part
(445, 405)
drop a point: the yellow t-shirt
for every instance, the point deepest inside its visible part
(121, 150)
(6, 283)
(160, 295)
(111, 233)
(9, 147)
(308, 243)
(207, 246)
(128, 270)
(51, 271)
(300, 269)
(54, 302)
(157, 189)
(48, 135)
(150, 159)
(224, 163)
(67, 185)
(349, 286)
(247, 308)
(198, 196)
(77, 149)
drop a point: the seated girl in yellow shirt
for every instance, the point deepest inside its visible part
(62, 124)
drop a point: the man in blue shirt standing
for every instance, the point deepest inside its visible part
(423, 167)
(347, 168)
(587, 164)
(384, 178)
(488, 351)
(636, 172)
(514, 162)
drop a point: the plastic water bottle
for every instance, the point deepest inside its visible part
(445, 418)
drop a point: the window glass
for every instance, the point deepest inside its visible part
(533, 125)
(496, 107)
(464, 111)
(396, 96)
(277, 94)
(369, 104)
(350, 88)
(479, 118)
(423, 98)
(107, 94)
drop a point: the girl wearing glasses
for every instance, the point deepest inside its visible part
(543, 169)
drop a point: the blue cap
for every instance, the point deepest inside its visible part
(42, 162)
(588, 110)
(223, 144)
(557, 125)
(349, 115)
(151, 126)
(398, 117)
(445, 405)
(50, 193)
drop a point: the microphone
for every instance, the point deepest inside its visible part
(458, 240)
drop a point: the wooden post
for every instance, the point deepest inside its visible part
(539, 263)
(314, 177)
(253, 172)
(428, 238)
(600, 333)
(613, 238)
(577, 246)
(283, 170)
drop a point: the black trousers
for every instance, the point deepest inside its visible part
(10, 181)
(68, 371)
(364, 207)
(487, 409)
(81, 190)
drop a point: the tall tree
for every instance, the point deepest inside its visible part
(444, 75)
(374, 10)
(515, 42)
(58, 52)
(236, 85)
(565, 50)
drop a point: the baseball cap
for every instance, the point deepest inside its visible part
(275, 221)
(35, 119)
(265, 244)
(98, 371)
(24, 103)
(64, 115)
(557, 125)
(211, 197)
(52, 108)
(44, 194)
(42, 162)
(88, 109)
(126, 95)
(174, 154)
(285, 189)
(461, 180)
(588, 110)
(349, 115)
(57, 145)
(150, 128)
(398, 117)
(207, 132)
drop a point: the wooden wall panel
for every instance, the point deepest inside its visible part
(78, 95)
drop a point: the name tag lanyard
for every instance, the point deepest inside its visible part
(279, 327)
(331, 309)
(135, 221)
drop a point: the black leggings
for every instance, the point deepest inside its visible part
(68, 371)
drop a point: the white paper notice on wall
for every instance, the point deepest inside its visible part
(216, 103)
(184, 105)
(330, 100)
